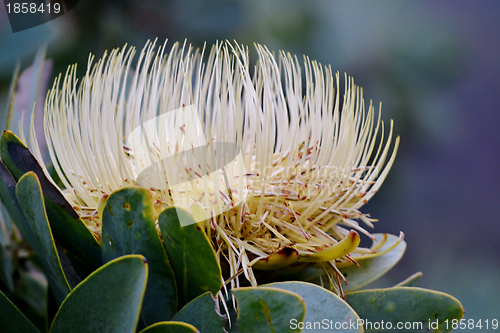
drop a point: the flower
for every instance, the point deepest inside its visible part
(312, 155)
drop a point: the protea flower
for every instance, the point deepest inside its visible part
(310, 155)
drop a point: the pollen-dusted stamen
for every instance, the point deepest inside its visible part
(311, 157)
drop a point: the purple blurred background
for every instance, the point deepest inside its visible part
(433, 64)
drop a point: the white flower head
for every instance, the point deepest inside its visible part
(310, 155)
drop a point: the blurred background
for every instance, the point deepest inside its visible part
(433, 64)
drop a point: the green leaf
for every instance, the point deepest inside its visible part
(12, 319)
(51, 309)
(191, 255)
(405, 305)
(373, 268)
(30, 296)
(7, 244)
(69, 230)
(67, 266)
(6, 267)
(9, 199)
(170, 327)
(321, 305)
(108, 300)
(29, 196)
(200, 313)
(267, 309)
(32, 288)
(128, 227)
(410, 281)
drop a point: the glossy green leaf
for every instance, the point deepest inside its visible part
(200, 313)
(321, 305)
(191, 255)
(266, 309)
(373, 268)
(410, 281)
(67, 266)
(9, 199)
(29, 196)
(231, 325)
(9, 207)
(405, 305)
(69, 230)
(108, 300)
(128, 227)
(51, 309)
(80, 267)
(170, 327)
(12, 320)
